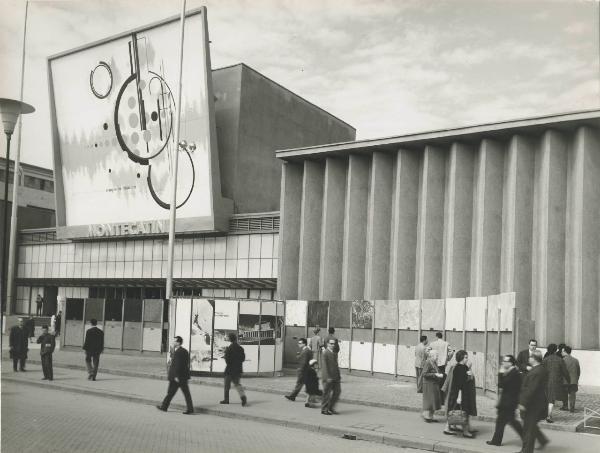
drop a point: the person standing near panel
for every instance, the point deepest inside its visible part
(47, 344)
(574, 370)
(442, 347)
(332, 336)
(316, 344)
(557, 374)
(179, 375)
(18, 342)
(330, 374)
(234, 359)
(39, 305)
(304, 356)
(420, 357)
(93, 347)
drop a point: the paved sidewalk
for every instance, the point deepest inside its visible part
(377, 424)
(370, 391)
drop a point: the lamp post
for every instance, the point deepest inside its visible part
(10, 110)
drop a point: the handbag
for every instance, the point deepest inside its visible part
(457, 417)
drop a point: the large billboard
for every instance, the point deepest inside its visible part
(113, 107)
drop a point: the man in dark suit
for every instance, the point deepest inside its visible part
(47, 344)
(304, 356)
(234, 359)
(533, 403)
(18, 342)
(523, 356)
(330, 374)
(179, 375)
(574, 371)
(93, 347)
(509, 382)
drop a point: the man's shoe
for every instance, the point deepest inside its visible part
(160, 408)
(187, 412)
(93, 379)
(244, 401)
(89, 378)
(224, 402)
(489, 442)
(23, 369)
(291, 398)
(325, 412)
(572, 411)
(549, 420)
(44, 378)
(543, 445)
(564, 408)
(334, 412)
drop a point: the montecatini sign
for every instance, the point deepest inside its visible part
(127, 229)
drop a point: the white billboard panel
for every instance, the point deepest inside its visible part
(114, 132)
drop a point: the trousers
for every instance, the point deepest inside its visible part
(236, 383)
(47, 366)
(298, 386)
(506, 418)
(173, 387)
(19, 361)
(331, 394)
(531, 432)
(92, 360)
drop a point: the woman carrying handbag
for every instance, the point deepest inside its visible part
(461, 404)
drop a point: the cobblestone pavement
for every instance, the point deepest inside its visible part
(35, 419)
(395, 393)
(377, 424)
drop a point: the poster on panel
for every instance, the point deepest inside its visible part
(202, 334)
(362, 314)
(317, 313)
(406, 360)
(295, 312)
(339, 313)
(268, 326)
(476, 313)
(226, 314)
(183, 319)
(455, 310)
(361, 355)
(344, 354)
(507, 305)
(249, 330)
(476, 360)
(384, 358)
(492, 312)
(115, 108)
(408, 314)
(433, 314)
(386, 314)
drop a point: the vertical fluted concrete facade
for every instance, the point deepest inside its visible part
(474, 211)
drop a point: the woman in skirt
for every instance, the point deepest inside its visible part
(432, 399)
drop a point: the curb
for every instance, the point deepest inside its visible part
(199, 381)
(335, 431)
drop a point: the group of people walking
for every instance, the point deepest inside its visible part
(326, 362)
(530, 383)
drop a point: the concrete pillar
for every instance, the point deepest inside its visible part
(405, 209)
(379, 220)
(517, 223)
(355, 227)
(289, 230)
(458, 214)
(548, 265)
(310, 230)
(332, 239)
(430, 224)
(486, 233)
(582, 292)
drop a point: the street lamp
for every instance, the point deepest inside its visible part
(10, 110)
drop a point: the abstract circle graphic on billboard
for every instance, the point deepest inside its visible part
(115, 119)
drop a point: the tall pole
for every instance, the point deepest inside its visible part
(175, 163)
(14, 212)
(5, 219)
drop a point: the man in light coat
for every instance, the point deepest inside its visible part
(420, 356)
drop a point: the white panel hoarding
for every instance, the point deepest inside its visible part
(114, 132)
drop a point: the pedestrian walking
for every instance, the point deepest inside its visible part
(509, 384)
(304, 356)
(533, 402)
(179, 375)
(58, 325)
(316, 344)
(574, 371)
(93, 347)
(523, 356)
(18, 342)
(332, 336)
(557, 374)
(311, 381)
(47, 344)
(420, 357)
(39, 305)
(330, 374)
(461, 393)
(442, 347)
(234, 359)
(431, 376)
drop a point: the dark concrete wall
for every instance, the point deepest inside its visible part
(255, 117)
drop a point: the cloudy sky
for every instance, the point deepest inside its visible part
(386, 67)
